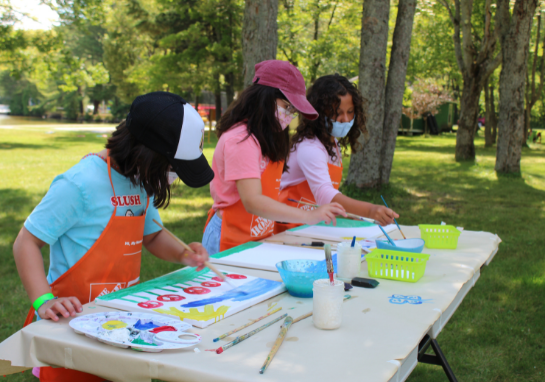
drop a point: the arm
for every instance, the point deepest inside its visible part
(165, 247)
(258, 204)
(380, 213)
(30, 265)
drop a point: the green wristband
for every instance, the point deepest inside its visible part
(42, 299)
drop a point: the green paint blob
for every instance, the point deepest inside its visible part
(140, 341)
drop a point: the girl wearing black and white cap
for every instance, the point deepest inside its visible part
(249, 159)
(95, 243)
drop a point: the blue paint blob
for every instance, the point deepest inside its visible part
(400, 299)
(148, 325)
(247, 291)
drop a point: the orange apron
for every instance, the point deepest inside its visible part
(238, 226)
(112, 263)
(302, 193)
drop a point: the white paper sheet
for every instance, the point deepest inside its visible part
(267, 255)
(347, 233)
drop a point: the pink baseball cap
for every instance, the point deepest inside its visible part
(287, 78)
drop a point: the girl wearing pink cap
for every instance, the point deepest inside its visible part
(315, 161)
(249, 160)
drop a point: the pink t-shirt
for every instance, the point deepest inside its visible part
(309, 162)
(237, 156)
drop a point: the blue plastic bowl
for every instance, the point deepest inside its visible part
(299, 275)
(406, 245)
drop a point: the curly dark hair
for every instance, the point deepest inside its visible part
(256, 106)
(324, 97)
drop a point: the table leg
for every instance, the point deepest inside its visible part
(437, 359)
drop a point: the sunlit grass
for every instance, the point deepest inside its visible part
(497, 333)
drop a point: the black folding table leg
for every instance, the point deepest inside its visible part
(437, 359)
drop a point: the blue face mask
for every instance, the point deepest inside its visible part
(341, 129)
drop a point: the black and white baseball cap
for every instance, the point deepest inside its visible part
(167, 124)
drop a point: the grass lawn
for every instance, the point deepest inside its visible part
(497, 334)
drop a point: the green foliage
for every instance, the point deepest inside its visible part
(320, 37)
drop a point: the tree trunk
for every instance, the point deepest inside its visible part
(197, 102)
(96, 105)
(259, 35)
(395, 86)
(488, 116)
(494, 118)
(217, 96)
(475, 64)
(469, 110)
(515, 46)
(364, 170)
(230, 87)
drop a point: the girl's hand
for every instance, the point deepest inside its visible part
(196, 259)
(62, 306)
(383, 215)
(325, 213)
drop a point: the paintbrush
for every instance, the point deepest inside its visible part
(281, 336)
(238, 340)
(388, 237)
(398, 227)
(206, 263)
(329, 262)
(245, 326)
(348, 214)
(314, 244)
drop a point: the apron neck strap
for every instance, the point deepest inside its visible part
(108, 161)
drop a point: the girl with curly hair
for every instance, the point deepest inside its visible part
(315, 162)
(249, 158)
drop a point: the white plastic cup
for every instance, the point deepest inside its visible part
(348, 261)
(327, 304)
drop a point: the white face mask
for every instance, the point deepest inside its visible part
(172, 176)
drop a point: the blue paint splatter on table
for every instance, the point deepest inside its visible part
(400, 299)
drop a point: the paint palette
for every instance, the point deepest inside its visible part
(140, 331)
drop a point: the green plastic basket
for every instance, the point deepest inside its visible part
(439, 236)
(396, 265)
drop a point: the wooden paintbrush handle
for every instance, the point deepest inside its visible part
(206, 263)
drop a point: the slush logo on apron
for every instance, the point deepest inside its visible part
(125, 200)
(261, 226)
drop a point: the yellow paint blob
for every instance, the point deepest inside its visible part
(111, 325)
(194, 313)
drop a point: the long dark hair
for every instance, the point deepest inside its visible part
(256, 106)
(323, 95)
(144, 167)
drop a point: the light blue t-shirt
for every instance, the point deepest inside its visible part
(77, 208)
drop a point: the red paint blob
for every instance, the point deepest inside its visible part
(217, 279)
(150, 304)
(237, 277)
(196, 290)
(163, 329)
(210, 284)
(170, 297)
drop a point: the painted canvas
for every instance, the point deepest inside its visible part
(344, 230)
(198, 298)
